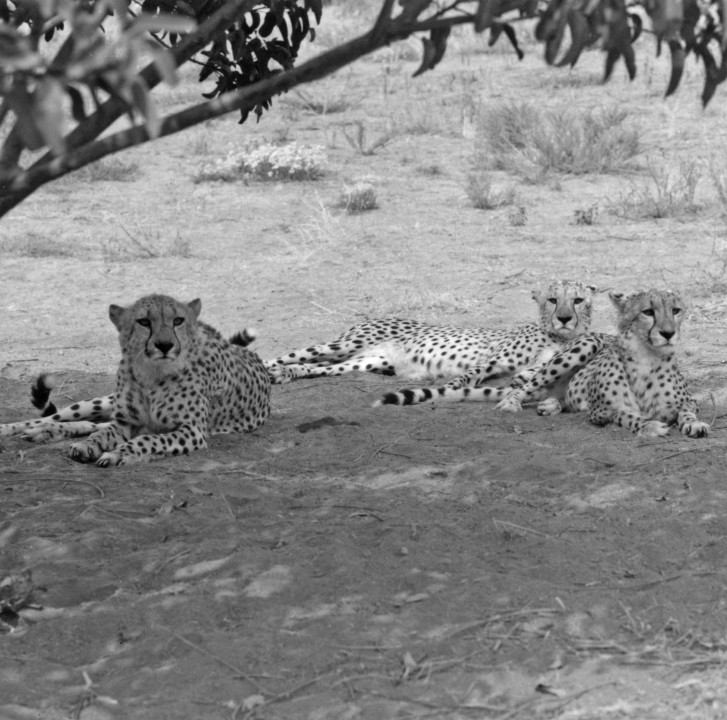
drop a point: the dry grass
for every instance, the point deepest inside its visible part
(483, 196)
(526, 140)
(666, 191)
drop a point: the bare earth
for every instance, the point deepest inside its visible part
(346, 562)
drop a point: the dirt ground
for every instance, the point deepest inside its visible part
(344, 562)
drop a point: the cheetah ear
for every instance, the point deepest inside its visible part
(116, 313)
(195, 307)
(618, 299)
(537, 295)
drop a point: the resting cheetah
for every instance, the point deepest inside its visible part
(565, 312)
(416, 350)
(179, 380)
(634, 381)
(626, 379)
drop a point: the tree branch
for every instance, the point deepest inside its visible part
(381, 34)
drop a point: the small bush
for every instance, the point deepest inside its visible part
(358, 198)
(586, 216)
(293, 161)
(518, 216)
(482, 196)
(664, 193)
(532, 142)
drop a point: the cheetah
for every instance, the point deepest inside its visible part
(565, 313)
(630, 379)
(178, 381)
(634, 381)
(417, 350)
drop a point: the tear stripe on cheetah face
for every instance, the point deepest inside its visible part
(156, 334)
(416, 350)
(81, 418)
(565, 313)
(634, 381)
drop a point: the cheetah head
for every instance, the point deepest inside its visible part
(565, 309)
(653, 317)
(156, 333)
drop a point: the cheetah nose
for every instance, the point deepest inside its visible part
(565, 319)
(163, 347)
(666, 334)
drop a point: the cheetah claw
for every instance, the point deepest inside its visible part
(696, 429)
(109, 459)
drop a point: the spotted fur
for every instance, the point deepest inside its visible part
(178, 381)
(565, 312)
(81, 418)
(632, 379)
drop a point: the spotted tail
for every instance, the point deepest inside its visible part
(416, 396)
(40, 392)
(244, 338)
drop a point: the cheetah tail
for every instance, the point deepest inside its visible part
(244, 338)
(40, 392)
(406, 397)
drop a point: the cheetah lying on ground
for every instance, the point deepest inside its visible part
(631, 379)
(178, 381)
(634, 381)
(565, 313)
(416, 351)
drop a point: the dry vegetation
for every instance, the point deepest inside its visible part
(344, 562)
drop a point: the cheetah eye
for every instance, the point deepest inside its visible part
(676, 311)
(577, 301)
(649, 312)
(178, 321)
(144, 322)
(553, 301)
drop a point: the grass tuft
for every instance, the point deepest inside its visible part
(524, 139)
(482, 195)
(358, 198)
(663, 193)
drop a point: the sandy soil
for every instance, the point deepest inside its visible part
(345, 562)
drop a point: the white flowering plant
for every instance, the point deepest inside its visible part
(293, 161)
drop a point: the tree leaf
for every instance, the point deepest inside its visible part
(145, 105)
(78, 109)
(22, 104)
(483, 15)
(428, 50)
(165, 64)
(48, 100)
(161, 23)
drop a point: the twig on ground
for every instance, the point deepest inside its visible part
(86, 482)
(505, 523)
(239, 673)
(497, 618)
(227, 505)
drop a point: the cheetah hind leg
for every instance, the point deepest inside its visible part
(377, 363)
(50, 432)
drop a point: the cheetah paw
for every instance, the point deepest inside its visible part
(110, 459)
(695, 429)
(42, 435)
(84, 452)
(279, 374)
(510, 403)
(654, 428)
(549, 406)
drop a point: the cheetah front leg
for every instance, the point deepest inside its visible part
(688, 423)
(142, 448)
(107, 438)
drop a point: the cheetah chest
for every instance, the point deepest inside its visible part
(158, 409)
(652, 382)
